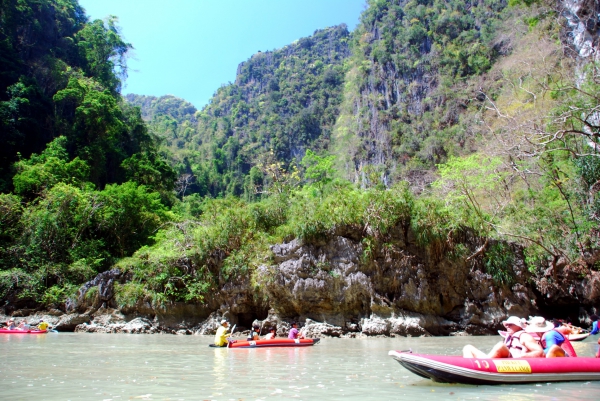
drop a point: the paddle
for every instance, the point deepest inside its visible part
(229, 340)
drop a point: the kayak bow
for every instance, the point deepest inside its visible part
(456, 369)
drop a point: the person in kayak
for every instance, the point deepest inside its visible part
(294, 335)
(254, 333)
(42, 325)
(517, 344)
(594, 319)
(554, 343)
(10, 324)
(271, 334)
(23, 325)
(221, 334)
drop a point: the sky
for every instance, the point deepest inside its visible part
(190, 48)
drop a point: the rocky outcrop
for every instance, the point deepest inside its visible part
(104, 285)
(582, 27)
(70, 321)
(402, 290)
(314, 329)
(332, 289)
(136, 326)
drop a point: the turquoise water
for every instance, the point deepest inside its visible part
(67, 366)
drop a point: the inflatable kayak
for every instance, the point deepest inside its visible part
(456, 369)
(570, 337)
(276, 342)
(5, 331)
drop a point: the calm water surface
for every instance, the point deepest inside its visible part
(163, 367)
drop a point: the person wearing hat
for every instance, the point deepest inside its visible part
(221, 334)
(10, 324)
(554, 343)
(517, 344)
(42, 325)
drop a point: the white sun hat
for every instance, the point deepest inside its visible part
(513, 320)
(538, 324)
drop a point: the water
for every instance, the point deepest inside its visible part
(117, 367)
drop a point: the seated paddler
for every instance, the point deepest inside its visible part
(254, 333)
(554, 343)
(517, 344)
(221, 334)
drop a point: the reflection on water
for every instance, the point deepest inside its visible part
(161, 367)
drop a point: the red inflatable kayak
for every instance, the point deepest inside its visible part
(456, 369)
(276, 342)
(4, 331)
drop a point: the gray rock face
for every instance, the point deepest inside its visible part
(136, 326)
(210, 325)
(104, 282)
(583, 20)
(70, 321)
(314, 329)
(402, 291)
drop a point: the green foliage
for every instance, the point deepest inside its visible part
(52, 166)
(129, 216)
(467, 181)
(528, 3)
(318, 169)
(11, 210)
(129, 294)
(433, 223)
(151, 170)
(104, 52)
(57, 295)
(57, 225)
(498, 262)
(19, 285)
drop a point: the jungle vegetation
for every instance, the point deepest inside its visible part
(429, 118)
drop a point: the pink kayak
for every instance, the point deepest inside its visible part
(456, 369)
(275, 342)
(5, 331)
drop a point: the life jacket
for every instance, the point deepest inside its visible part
(513, 343)
(565, 345)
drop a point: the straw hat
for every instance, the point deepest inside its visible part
(513, 320)
(538, 324)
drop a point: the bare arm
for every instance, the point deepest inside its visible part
(534, 348)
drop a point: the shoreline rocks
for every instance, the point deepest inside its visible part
(332, 290)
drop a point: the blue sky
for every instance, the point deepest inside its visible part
(189, 48)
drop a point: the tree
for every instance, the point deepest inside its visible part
(41, 172)
(319, 170)
(104, 52)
